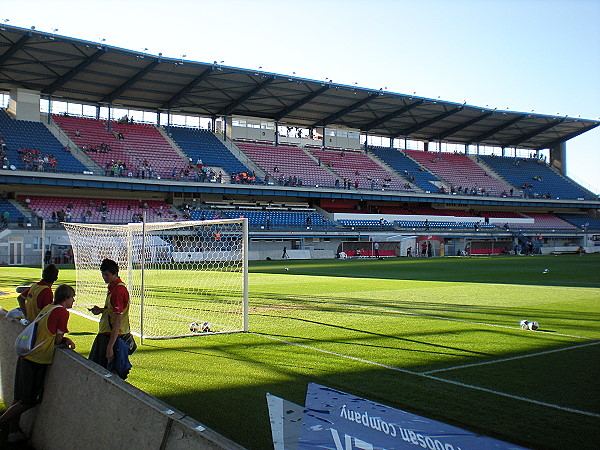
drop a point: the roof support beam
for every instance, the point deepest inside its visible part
(526, 137)
(303, 101)
(259, 87)
(426, 123)
(186, 90)
(341, 113)
(495, 130)
(569, 136)
(73, 72)
(13, 49)
(462, 126)
(390, 116)
(138, 76)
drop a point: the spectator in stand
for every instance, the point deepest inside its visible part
(4, 163)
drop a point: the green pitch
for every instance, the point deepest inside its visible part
(438, 337)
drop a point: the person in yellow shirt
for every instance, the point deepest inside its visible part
(114, 321)
(34, 299)
(31, 369)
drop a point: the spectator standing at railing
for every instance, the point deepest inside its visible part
(114, 321)
(31, 369)
(33, 300)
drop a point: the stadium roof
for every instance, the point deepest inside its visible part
(92, 73)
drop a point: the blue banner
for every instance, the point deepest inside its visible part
(337, 420)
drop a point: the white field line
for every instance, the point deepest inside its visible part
(511, 358)
(96, 319)
(431, 377)
(432, 316)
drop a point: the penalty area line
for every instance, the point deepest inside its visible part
(529, 355)
(432, 377)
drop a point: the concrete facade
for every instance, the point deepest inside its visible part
(97, 409)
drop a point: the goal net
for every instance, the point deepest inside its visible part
(184, 278)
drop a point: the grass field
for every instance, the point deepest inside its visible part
(438, 337)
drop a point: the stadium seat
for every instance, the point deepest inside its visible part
(24, 138)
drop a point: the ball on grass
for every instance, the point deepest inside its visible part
(286, 269)
(523, 325)
(194, 327)
(533, 325)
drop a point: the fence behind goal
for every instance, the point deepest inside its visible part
(177, 273)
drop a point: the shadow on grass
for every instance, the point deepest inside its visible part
(240, 411)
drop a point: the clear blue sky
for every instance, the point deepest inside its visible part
(541, 55)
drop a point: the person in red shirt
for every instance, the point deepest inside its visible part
(114, 321)
(31, 369)
(33, 300)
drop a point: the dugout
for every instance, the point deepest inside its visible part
(366, 249)
(489, 247)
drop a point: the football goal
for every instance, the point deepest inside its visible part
(184, 278)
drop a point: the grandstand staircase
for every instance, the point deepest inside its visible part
(516, 191)
(241, 156)
(65, 140)
(391, 171)
(572, 182)
(439, 184)
(324, 166)
(172, 143)
(23, 209)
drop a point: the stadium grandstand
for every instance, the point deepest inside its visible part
(292, 155)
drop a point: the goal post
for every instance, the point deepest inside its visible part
(184, 278)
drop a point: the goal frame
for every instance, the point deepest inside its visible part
(142, 227)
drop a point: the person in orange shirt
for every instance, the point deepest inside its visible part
(31, 369)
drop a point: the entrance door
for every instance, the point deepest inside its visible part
(15, 253)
